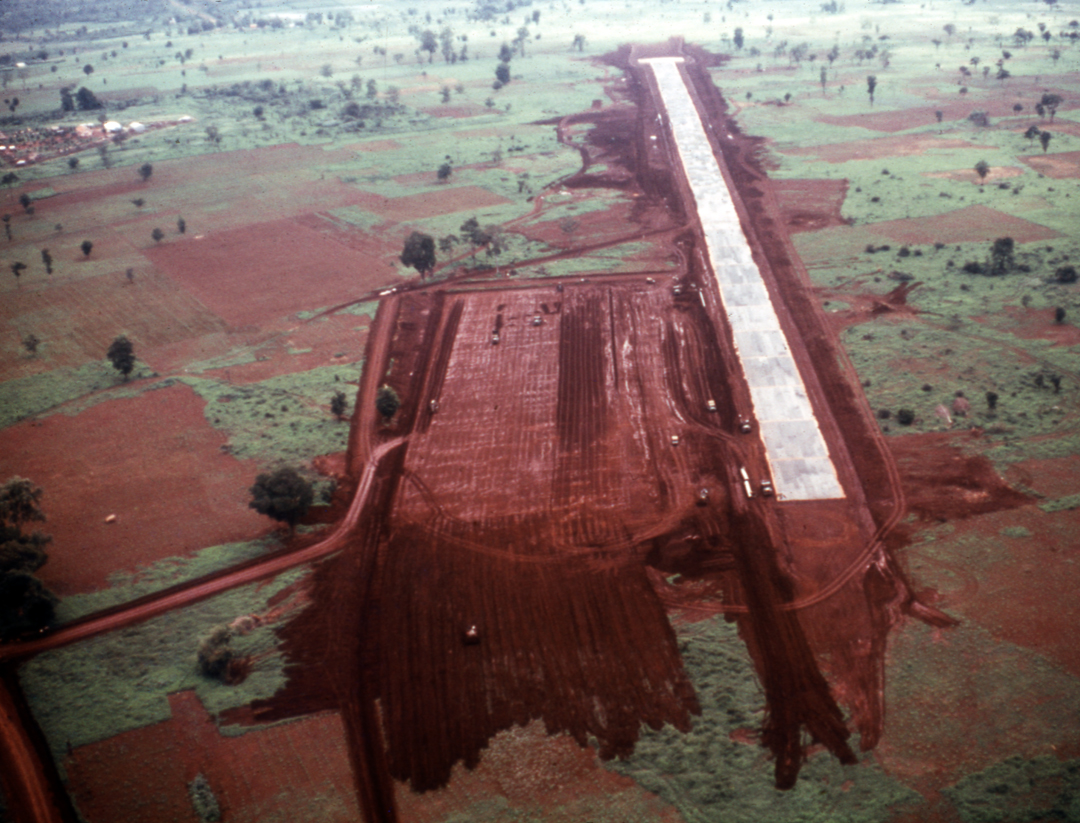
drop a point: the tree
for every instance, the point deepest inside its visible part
(20, 503)
(31, 343)
(339, 404)
(158, 235)
(214, 655)
(429, 43)
(181, 225)
(871, 84)
(419, 253)
(1031, 133)
(1001, 255)
(502, 73)
(445, 170)
(122, 355)
(444, 94)
(738, 39)
(1044, 139)
(145, 170)
(17, 269)
(283, 495)
(87, 100)
(506, 54)
(25, 603)
(387, 402)
(579, 42)
(46, 258)
(982, 168)
(88, 69)
(87, 247)
(1050, 102)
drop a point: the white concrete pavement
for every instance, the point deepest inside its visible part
(795, 448)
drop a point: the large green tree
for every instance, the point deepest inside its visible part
(26, 605)
(122, 355)
(419, 252)
(283, 495)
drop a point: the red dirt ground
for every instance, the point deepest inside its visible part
(431, 203)
(1063, 166)
(78, 319)
(152, 460)
(1034, 324)
(968, 225)
(810, 205)
(296, 771)
(996, 101)
(902, 145)
(257, 274)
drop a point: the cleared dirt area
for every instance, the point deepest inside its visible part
(255, 275)
(968, 225)
(1062, 166)
(255, 777)
(151, 460)
(904, 145)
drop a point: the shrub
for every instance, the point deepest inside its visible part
(1065, 274)
(203, 800)
(214, 654)
(905, 417)
(387, 402)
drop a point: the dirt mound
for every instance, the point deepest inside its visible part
(941, 482)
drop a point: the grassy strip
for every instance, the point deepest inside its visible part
(127, 586)
(26, 396)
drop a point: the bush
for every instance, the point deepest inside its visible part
(905, 417)
(203, 799)
(1065, 274)
(387, 402)
(214, 654)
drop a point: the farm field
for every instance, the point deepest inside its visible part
(529, 486)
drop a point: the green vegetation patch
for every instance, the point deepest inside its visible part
(1017, 790)
(26, 396)
(711, 778)
(98, 688)
(976, 688)
(285, 418)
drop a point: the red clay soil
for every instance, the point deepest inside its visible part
(254, 275)
(941, 482)
(997, 102)
(1062, 166)
(151, 460)
(972, 224)
(295, 771)
(78, 319)
(1035, 324)
(903, 145)
(587, 400)
(810, 205)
